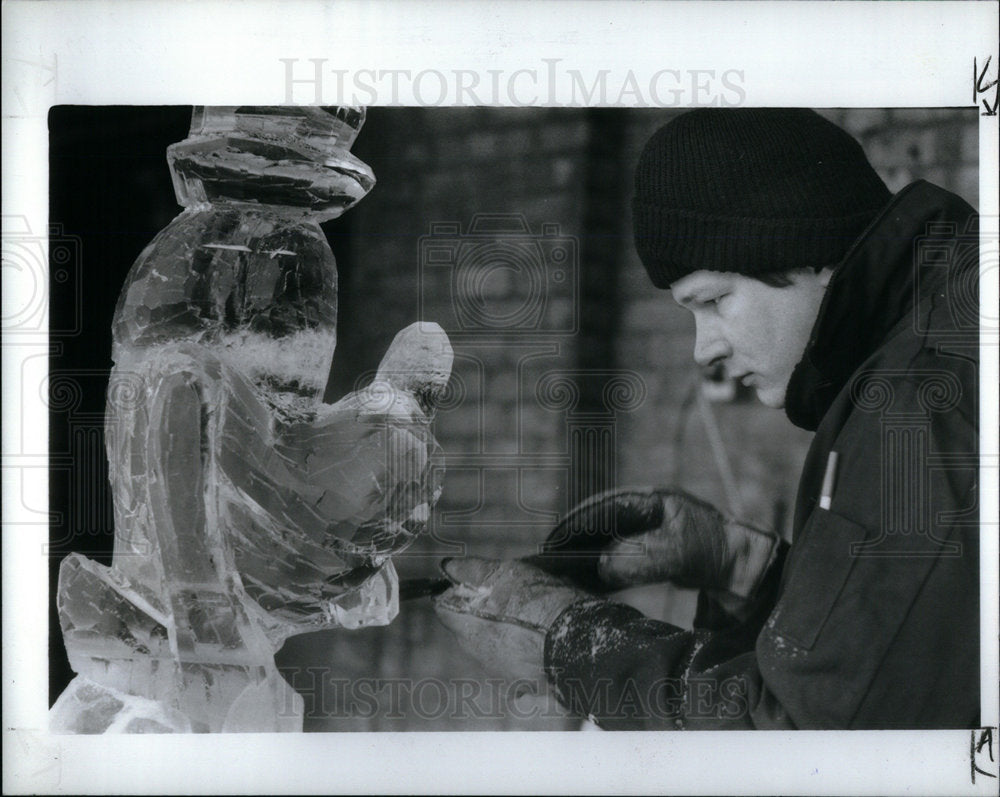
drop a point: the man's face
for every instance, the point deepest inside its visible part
(756, 331)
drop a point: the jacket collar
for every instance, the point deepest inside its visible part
(870, 292)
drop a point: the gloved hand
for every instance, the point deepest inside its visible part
(630, 537)
(501, 610)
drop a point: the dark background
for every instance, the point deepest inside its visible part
(511, 462)
(109, 194)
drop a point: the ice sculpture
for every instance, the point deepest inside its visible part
(246, 510)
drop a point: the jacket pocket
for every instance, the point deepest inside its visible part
(817, 572)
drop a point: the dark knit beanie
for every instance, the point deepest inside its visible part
(750, 190)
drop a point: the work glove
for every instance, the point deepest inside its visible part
(501, 611)
(630, 537)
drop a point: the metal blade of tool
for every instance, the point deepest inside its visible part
(573, 548)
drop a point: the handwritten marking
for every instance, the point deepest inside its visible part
(981, 87)
(976, 756)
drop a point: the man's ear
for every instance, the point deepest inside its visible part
(825, 274)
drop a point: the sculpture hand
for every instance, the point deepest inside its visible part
(396, 410)
(411, 377)
(342, 491)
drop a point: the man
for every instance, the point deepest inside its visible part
(805, 279)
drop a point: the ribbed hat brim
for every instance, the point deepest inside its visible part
(671, 241)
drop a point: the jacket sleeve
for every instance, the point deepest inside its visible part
(624, 671)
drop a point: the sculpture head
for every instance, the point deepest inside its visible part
(296, 158)
(255, 276)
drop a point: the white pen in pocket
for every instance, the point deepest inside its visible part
(829, 479)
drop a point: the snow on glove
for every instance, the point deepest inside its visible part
(501, 610)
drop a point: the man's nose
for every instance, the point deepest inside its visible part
(709, 346)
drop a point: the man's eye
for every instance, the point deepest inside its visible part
(717, 299)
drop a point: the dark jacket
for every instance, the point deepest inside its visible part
(872, 621)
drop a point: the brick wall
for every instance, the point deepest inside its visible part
(906, 144)
(509, 324)
(517, 395)
(506, 471)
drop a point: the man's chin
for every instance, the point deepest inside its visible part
(771, 396)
